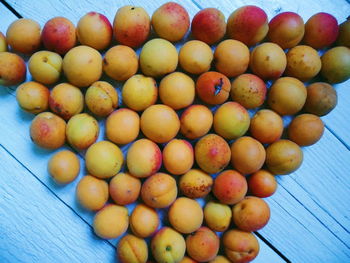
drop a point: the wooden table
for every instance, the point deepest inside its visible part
(42, 222)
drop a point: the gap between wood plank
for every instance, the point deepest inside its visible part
(9, 7)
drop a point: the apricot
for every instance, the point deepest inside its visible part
(231, 57)
(303, 63)
(171, 21)
(111, 221)
(187, 260)
(287, 96)
(144, 158)
(306, 129)
(336, 65)
(3, 43)
(103, 159)
(120, 62)
(220, 259)
(168, 246)
(132, 249)
(82, 131)
(212, 153)
(92, 193)
(202, 245)
(23, 35)
(159, 190)
(12, 69)
(248, 90)
(266, 126)
(124, 188)
(47, 130)
(195, 183)
(131, 26)
(196, 121)
(122, 126)
(217, 216)
(45, 66)
(59, 35)
(184, 207)
(66, 100)
(158, 57)
(94, 30)
(247, 24)
(136, 85)
(231, 120)
(213, 87)
(144, 221)
(208, 25)
(321, 30)
(82, 66)
(195, 57)
(286, 29)
(247, 155)
(240, 246)
(230, 187)
(251, 214)
(283, 157)
(64, 167)
(321, 98)
(177, 90)
(178, 156)
(160, 123)
(101, 98)
(344, 34)
(268, 61)
(262, 184)
(33, 97)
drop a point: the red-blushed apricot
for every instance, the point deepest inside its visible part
(321, 30)
(168, 245)
(248, 90)
(247, 155)
(47, 130)
(132, 249)
(64, 167)
(23, 35)
(336, 64)
(231, 57)
(184, 207)
(144, 158)
(283, 157)
(240, 246)
(94, 30)
(305, 129)
(92, 193)
(33, 97)
(344, 34)
(212, 153)
(12, 69)
(131, 26)
(286, 29)
(171, 21)
(262, 184)
(208, 25)
(195, 183)
(217, 216)
(122, 126)
(124, 188)
(59, 35)
(159, 190)
(266, 126)
(268, 61)
(230, 187)
(251, 214)
(111, 221)
(321, 98)
(196, 121)
(202, 245)
(144, 221)
(248, 24)
(213, 87)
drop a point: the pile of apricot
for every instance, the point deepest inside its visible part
(195, 133)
